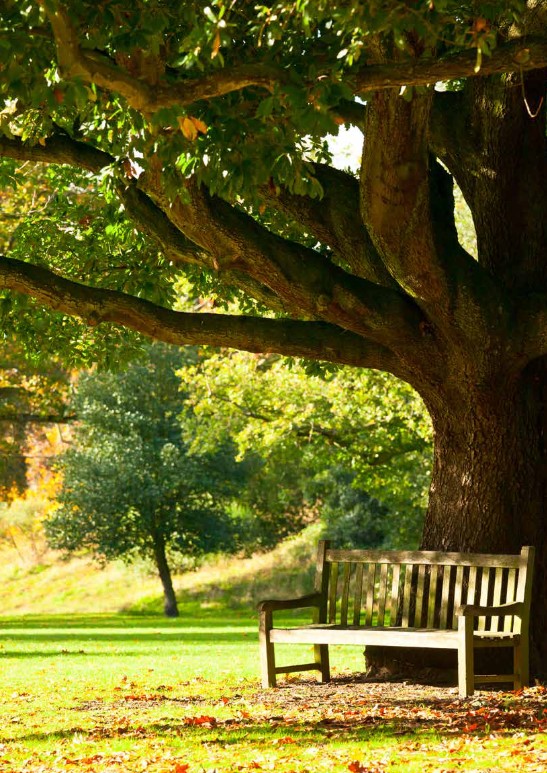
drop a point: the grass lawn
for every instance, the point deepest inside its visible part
(141, 693)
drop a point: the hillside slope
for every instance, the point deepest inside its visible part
(47, 584)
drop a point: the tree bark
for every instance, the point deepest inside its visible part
(487, 495)
(170, 606)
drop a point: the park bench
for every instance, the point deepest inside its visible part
(457, 601)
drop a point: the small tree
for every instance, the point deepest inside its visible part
(130, 487)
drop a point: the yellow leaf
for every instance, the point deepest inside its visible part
(42, 141)
(188, 127)
(200, 126)
(216, 45)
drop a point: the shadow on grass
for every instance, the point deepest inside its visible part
(366, 729)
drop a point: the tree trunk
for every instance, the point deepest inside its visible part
(488, 494)
(170, 606)
(488, 488)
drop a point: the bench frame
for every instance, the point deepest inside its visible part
(500, 619)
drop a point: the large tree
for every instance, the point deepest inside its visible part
(207, 120)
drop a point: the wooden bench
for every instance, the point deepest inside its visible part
(420, 599)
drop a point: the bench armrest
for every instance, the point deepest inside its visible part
(474, 610)
(311, 600)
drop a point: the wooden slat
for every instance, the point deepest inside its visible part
(358, 594)
(509, 620)
(382, 593)
(419, 600)
(496, 598)
(322, 576)
(333, 589)
(458, 591)
(445, 595)
(483, 601)
(346, 574)
(402, 637)
(394, 601)
(428, 557)
(432, 596)
(371, 569)
(472, 586)
(407, 594)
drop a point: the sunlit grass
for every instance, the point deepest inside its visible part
(134, 693)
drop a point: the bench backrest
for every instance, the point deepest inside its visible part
(419, 589)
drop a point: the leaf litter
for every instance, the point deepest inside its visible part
(351, 725)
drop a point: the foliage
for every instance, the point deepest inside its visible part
(130, 488)
(352, 518)
(33, 397)
(372, 428)
(21, 525)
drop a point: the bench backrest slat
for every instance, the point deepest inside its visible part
(496, 598)
(458, 595)
(510, 593)
(333, 592)
(445, 597)
(432, 596)
(483, 601)
(346, 573)
(418, 588)
(382, 594)
(407, 595)
(369, 601)
(357, 599)
(394, 601)
(419, 597)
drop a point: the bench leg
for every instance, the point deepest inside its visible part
(466, 664)
(521, 664)
(321, 657)
(267, 654)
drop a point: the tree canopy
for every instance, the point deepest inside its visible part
(204, 124)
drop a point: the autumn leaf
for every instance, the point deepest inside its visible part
(188, 128)
(191, 127)
(203, 720)
(200, 126)
(216, 45)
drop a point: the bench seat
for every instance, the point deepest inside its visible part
(387, 636)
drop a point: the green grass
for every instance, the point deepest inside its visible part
(125, 690)
(141, 693)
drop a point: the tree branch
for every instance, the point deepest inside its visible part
(529, 53)
(335, 221)
(314, 340)
(209, 232)
(92, 67)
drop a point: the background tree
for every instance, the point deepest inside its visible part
(207, 121)
(130, 488)
(323, 437)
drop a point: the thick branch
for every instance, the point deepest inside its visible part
(395, 194)
(92, 67)
(528, 53)
(313, 340)
(305, 281)
(335, 221)
(62, 149)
